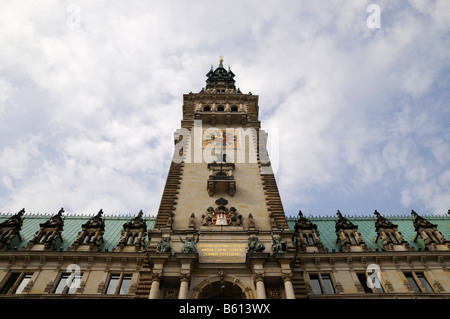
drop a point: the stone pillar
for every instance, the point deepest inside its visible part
(158, 260)
(288, 287)
(187, 263)
(154, 290)
(260, 288)
(184, 286)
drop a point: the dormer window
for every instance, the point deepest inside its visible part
(207, 109)
(306, 236)
(427, 234)
(234, 109)
(308, 239)
(392, 237)
(389, 238)
(220, 109)
(132, 239)
(48, 237)
(91, 236)
(348, 237)
(133, 235)
(10, 231)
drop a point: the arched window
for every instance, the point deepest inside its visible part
(305, 239)
(353, 238)
(311, 239)
(393, 238)
(433, 236)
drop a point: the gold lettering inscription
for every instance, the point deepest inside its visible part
(222, 250)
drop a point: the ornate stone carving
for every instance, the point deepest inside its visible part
(306, 234)
(251, 222)
(286, 277)
(429, 233)
(347, 234)
(273, 293)
(101, 287)
(49, 287)
(189, 245)
(156, 276)
(388, 286)
(185, 277)
(388, 233)
(258, 277)
(191, 225)
(278, 246)
(91, 234)
(220, 79)
(339, 287)
(170, 220)
(10, 231)
(254, 245)
(133, 233)
(49, 234)
(221, 215)
(273, 222)
(164, 246)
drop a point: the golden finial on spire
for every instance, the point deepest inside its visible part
(221, 58)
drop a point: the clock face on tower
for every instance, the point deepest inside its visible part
(220, 139)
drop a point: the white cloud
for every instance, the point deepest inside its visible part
(6, 92)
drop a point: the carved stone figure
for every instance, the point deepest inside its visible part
(273, 223)
(189, 245)
(236, 219)
(255, 246)
(207, 220)
(251, 222)
(170, 220)
(278, 245)
(192, 221)
(163, 246)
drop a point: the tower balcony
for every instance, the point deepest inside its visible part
(221, 183)
(222, 117)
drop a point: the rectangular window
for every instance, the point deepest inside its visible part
(424, 282)
(315, 284)
(409, 276)
(24, 282)
(68, 283)
(119, 284)
(363, 281)
(11, 281)
(16, 283)
(321, 284)
(113, 283)
(125, 286)
(363, 277)
(328, 284)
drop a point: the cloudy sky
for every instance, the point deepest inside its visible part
(91, 93)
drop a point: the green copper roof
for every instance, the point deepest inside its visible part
(366, 226)
(325, 225)
(72, 226)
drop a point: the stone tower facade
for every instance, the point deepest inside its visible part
(221, 231)
(221, 218)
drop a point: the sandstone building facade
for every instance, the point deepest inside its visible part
(221, 231)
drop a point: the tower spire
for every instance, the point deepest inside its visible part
(220, 78)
